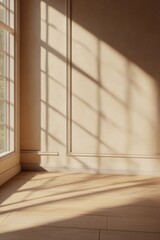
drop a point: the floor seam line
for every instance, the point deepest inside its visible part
(9, 214)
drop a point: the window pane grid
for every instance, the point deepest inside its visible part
(6, 76)
(7, 13)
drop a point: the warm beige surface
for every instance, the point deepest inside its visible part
(114, 99)
(76, 206)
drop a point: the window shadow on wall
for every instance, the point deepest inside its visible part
(114, 79)
(114, 97)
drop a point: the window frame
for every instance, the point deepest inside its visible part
(15, 32)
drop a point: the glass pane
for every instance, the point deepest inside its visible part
(2, 39)
(3, 60)
(11, 45)
(3, 138)
(12, 5)
(3, 14)
(3, 113)
(11, 13)
(2, 89)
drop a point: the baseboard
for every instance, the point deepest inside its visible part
(46, 168)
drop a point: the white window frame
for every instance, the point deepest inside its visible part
(14, 31)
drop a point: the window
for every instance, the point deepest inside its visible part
(7, 76)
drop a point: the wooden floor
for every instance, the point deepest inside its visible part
(72, 206)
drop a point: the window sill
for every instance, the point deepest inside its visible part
(6, 154)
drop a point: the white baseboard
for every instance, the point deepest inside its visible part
(43, 167)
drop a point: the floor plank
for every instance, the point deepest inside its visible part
(49, 233)
(57, 218)
(119, 235)
(149, 224)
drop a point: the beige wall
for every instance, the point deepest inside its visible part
(113, 108)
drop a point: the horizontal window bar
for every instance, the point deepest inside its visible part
(6, 54)
(7, 28)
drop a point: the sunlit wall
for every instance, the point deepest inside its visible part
(112, 105)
